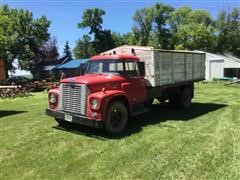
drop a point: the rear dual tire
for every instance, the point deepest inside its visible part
(182, 100)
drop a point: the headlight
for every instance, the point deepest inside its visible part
(94, 103)
(52, 98)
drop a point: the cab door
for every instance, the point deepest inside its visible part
(136, 88)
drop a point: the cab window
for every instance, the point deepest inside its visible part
(131, 69)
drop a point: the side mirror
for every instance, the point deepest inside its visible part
(141, 66)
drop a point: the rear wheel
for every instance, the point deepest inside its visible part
(173, 101)
(116, 118)
(181, 100)
(185, 99)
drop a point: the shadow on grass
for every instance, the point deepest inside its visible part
(4, 113)
(158, 113)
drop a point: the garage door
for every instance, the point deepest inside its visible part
(216, 69)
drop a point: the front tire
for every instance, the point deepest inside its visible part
(116, 118)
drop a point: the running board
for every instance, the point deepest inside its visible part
(140, 111)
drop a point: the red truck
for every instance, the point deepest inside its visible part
(116, 87)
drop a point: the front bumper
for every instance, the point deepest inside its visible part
(75, 118)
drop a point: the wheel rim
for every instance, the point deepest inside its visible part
(116, 118)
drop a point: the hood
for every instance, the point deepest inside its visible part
(94, 79)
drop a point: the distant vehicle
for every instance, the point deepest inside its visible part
(116, 87)
(17, 80)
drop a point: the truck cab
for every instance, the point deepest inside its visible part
(112, 88)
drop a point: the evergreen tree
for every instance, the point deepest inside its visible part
(67, 51)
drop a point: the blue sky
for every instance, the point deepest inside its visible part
(65, 15)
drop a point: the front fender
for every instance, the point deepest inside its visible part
(104, 98)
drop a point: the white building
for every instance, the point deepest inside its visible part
(220, 66)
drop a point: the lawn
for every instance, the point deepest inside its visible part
(200, 143)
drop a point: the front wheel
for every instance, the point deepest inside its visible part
(116, 118)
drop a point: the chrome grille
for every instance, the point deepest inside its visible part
(73, 98)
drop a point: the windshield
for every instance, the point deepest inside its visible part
(105, 66)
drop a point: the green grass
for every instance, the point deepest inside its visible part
(200, 143)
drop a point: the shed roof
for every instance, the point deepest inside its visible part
(229, 57)
(72, 64)
(115, 56)
(49, 67)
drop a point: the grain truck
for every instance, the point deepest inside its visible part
(123, 82)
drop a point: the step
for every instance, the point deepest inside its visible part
(140, 111)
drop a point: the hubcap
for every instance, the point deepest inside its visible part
(116, 118)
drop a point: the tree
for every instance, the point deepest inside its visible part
(162, 32)
(193, 29)
(118, 39)
(46, 54)
(178, 17)
(143, 20)
(228, 25)
(92, 18)
(84, 48)
(48, 51)
(67, 51)
(129, 38)
(21, 35)
(102, 38)
(151, 26)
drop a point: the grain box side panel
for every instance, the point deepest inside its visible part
(178, 67)
(197, 66)
(189, 66)
(166, 68)
(157, 68)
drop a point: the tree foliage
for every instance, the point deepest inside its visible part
(194, 30)
(102, 38)
(67, 50)
(162, 14)
(21, 35)
(151, 26)
(162, 26)
(84, 48)
(92, 18)
(228, 25)
(45, 54)
(48, 51)
(143, 19)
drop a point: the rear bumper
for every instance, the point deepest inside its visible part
(75, 118)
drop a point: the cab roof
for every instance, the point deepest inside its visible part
(115, 56)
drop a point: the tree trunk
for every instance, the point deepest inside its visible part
(6, 72)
